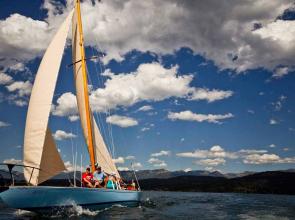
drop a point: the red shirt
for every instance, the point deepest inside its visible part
(87, 176)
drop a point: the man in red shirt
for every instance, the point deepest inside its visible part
(87, 178)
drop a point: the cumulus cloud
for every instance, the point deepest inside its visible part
(5, 79)
(216, 155)
(161, 153)
(150, 82)
(22, 88)
(239, 47)
(119, 160)
(121, 121)
(280, 72)
(66, 105)
(130, 157)
(190, 116)
(157, 162)
(211, 162)
(267, 159)
(137, 165)
(214, 151)
(17, 32)
(209, 95)
(62, 135)
(4, 124)
(73, 118)
(112, 22)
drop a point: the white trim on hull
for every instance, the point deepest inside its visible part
(48, 197)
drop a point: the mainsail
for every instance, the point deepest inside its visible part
(97, 149)
(39, 147)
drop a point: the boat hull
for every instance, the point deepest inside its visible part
(45, 197)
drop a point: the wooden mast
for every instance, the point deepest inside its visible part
(85, 86)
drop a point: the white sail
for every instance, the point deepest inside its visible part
(102, 155)
(37, 136)
(78, 75)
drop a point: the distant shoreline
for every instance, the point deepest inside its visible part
(269, 182)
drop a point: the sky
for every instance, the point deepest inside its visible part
(178, 85)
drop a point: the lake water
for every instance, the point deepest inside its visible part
(180, 205)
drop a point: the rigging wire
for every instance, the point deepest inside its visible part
(100, 81)
(102, 69)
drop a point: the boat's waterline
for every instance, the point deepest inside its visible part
(48, 197)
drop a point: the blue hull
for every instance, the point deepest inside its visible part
(47, 197)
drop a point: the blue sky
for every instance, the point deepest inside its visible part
(181, 92)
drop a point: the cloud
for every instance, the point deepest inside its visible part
(211, 162)
(280, 72)
(119, 160)
(272, 145)
(66, 105)
(145, 129)
(137, 165)
(273, 121)
(279, 103)
(157, 162)
(130, 157)
(5, 79)
(62, 135)
(150, 82)
(23, 39)
(4, 124)
(23, 88)
(12, 161)
(121, 121)
(239, 47)
(145, 108)
(70, 167)
(251, 151)
(123, 168)
(251, 111)
(210, 95)
(161, 153)
(214, 151)
(190, 116)
(267, 159)
(160, 165)
(73, 118)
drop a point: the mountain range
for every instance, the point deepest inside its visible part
(278, 182)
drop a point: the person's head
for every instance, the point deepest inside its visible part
(88, 170)
(98, 169)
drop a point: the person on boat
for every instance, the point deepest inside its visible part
(131, 186)
(111, 183)
(99, 177)
(87, 178)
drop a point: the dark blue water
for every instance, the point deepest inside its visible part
(179, 205)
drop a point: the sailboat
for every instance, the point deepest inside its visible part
(41, 159)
